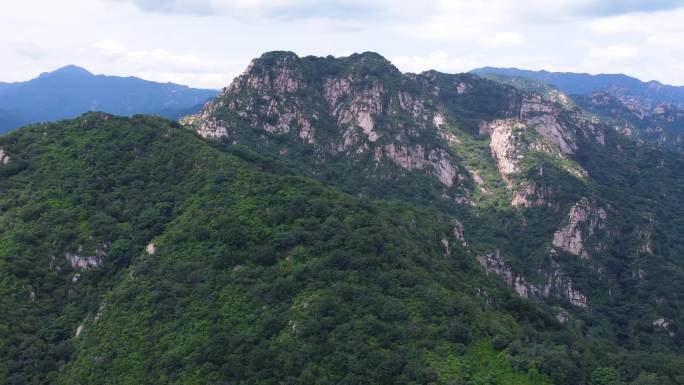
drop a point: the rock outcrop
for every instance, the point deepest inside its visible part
(506, 145)
(457, 233)
(255, 97)
(637, 117)
(554, 282)
(438, 162)
(553, 128)
(663, 324)
(84, 262)
(529, 194)
(362, 111)
(151, 249)
(4, 158)
(338, 111)
(583, 221)
(537, 129)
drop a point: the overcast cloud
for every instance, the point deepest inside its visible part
(205, 43)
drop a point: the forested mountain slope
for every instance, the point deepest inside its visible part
(134, 251)
(562, 205)
(332, 220)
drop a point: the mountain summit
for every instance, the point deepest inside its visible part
(72, 70)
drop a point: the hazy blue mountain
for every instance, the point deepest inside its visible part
(8, 121)
(69, 91)
(652, 92)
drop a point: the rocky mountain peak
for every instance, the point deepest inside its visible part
(278, 71)
(360, 106)
(371, 64)
(364, 110)
(280, 86)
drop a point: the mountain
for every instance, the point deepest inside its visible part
(150, 255)
(648, 111)
(9, 121)
(333, 220)
(583, 83)
(662, 124)
(70, 91)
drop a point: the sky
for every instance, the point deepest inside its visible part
(206, 43)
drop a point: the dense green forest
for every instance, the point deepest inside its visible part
(256, 276)
(334, 221)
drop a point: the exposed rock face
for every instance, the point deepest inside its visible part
(554, 133)
(282, 74)
(461, 88)
(511, 140)
(555, 282)
(4, 158)
(637, 117)
(458, 233)
(447, 248)
(583, 221)
(212, 129)
(85, 262)
(506, 147)
(540, 126)
(254, 97)
(99, 313)
(336, 89)
(563, 317)
(530, 195)
(494, 263)
(151, 249)
(646, 246)
(362, 111)
(543, 116)
(438, 120)
(417, 157)
(384, 120)
(205, 124)
(510, 145)
(534, 104)
(575, 297)
(351, 109)
(662, 323)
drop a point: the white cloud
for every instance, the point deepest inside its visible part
(613, 52)
(206, 42)
(110, 47)
(503, 39)
(162, 65)
(438, 60)
(618, 25)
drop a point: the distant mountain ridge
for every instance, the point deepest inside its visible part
(71, 90)
(584, 83)
(645, 111)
